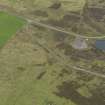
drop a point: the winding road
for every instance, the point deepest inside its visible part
(33, 21)
(30, 21)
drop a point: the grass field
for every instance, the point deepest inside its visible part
(9, 24)
(30, 75)
(37, 66)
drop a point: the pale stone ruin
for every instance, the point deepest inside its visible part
(79, 43)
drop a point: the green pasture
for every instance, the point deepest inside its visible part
(9, 25)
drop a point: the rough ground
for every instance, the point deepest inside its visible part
(34, 65)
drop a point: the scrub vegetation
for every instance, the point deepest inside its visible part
(39, 66)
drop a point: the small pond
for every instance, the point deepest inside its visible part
(100, 44)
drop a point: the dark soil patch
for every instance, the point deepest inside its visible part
(63, 72)
(101, 1)
(41, 75)
(59, 36)
(68, 91)
(55, 6)
(71, 17)
(21, 68)
(96, 13)
(98, 97)
(41, 13)
(60, 46)
(92, 17)
(66, 22)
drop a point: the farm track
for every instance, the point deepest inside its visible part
(65, 62)
(62, 30)
(33, 21)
